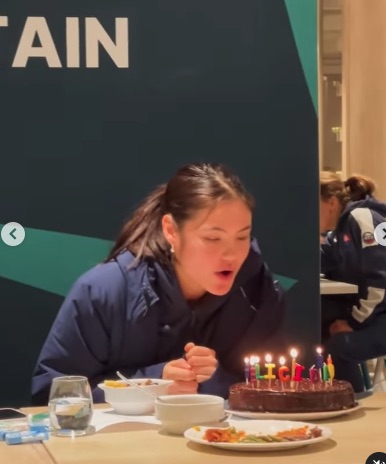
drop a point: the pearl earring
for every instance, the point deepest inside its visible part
(172, 249)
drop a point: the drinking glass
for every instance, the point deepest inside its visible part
(70, 405)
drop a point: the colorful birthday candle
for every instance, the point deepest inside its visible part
(326, 374)
(293, 354)
(246, 369)
(257, 368)
(283, 376)
(254, 368)
(331, 368)
(298, 372)
(270, 366)
(319, 358)
(252, 372)
(314, 374)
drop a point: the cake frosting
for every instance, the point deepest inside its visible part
(303, 396)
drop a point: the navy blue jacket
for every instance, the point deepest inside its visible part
(135, 319)
(351, 254)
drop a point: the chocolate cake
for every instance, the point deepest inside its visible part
(304, 396)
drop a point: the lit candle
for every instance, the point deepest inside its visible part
(258, 373)
(252, 372)
(331, 368)
(270, 366)
(255, 362)
(254, 369)
(326, 374)
(319, 361)
(319, 358)
(298, 372)
(283, 376)
(314, 374)
(293, 354)
(246, 370)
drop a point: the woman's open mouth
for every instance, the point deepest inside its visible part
(225, 275)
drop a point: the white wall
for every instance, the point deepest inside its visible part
(364, 90)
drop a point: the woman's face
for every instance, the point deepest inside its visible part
(210, 248)
(329, 212)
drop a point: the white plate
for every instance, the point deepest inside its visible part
(260, 427)
(303, 416)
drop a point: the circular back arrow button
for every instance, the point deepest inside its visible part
(13, 234)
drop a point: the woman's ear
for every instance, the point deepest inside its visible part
(169, 229)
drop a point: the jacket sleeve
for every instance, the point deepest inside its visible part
(372, 278)
(79, 342)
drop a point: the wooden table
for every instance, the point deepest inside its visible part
(355, 437)
(331, 287)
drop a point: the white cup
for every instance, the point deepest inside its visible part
(178, 413)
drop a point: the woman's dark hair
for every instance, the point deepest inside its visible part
(193, 188)
(355, 188)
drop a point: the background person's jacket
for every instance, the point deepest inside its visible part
(135, 319)
(352, 254)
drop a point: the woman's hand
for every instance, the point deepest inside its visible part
(202, 361)
(199, 365)
(340, 326)
(183, 376)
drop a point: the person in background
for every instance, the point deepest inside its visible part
(184, 294)
(353, 326)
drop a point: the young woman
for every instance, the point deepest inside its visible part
(184, 294)
(354, 326)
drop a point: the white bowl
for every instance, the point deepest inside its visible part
(178, 413)
(133, 401)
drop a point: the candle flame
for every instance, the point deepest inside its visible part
(293, 353)
(246, 360)
(282, 360)
(268, 358)
(253, 360)
(319, 350)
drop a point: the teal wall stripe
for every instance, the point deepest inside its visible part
(303, 17)
(52, 261)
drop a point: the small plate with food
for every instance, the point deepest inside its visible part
(259, 435)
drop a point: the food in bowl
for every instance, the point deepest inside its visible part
(123, 384)
(129, 400)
